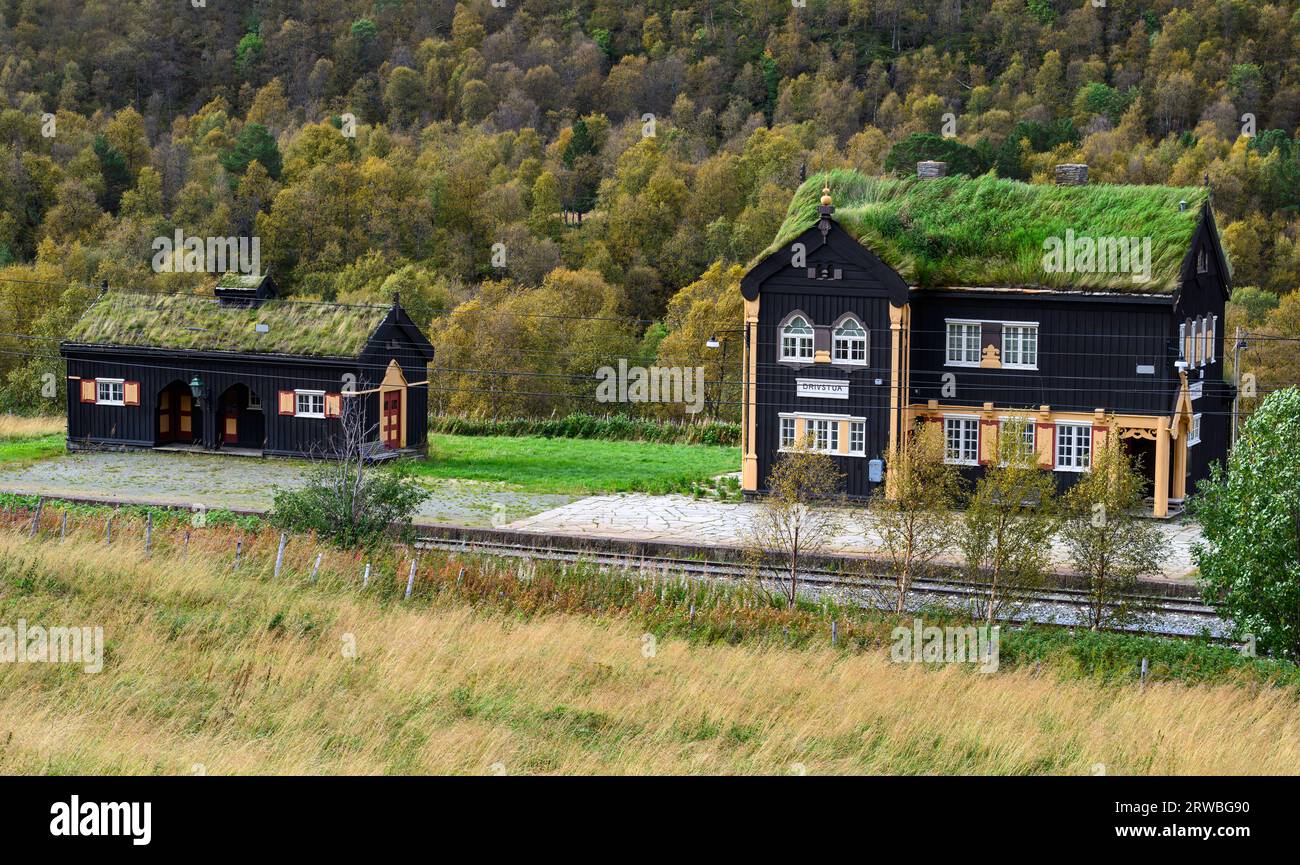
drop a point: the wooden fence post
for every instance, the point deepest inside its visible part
(108, 530)
(185, 551)
(36, 518)
(365, 578)
(148, 532)
(316, 567)
(833, 634)
(279, 554)
(239, 551)
(410, 582)
(63, 526)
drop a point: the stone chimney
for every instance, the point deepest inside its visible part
(931, 169)
(1072, 174)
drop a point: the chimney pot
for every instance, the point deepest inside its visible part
(1072, 174)
(929, 169)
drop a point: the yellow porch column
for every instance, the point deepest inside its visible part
(1179, 478)
(749, 459)
(1162, 468)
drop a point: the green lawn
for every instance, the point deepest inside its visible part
(560, 465)
(24, 449)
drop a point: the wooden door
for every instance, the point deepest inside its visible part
(165, 422)
(230, 427)
(392, 419)
(185, 418)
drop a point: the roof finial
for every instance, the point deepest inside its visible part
(397, 298)
(826, 195)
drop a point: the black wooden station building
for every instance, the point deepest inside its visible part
(895, 301)
(243, 371)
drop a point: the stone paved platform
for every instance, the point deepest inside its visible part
(681, 519)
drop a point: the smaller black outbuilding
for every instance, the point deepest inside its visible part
(243, 370)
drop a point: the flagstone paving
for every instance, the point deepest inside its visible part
(241, 483)
(682, 519)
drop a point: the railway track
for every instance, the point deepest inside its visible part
(1056, 606)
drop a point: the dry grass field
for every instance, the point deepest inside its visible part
(216, 671)
(19, 427)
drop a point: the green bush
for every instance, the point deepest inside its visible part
(587, 426)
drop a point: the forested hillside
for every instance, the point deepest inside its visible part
(444, 150)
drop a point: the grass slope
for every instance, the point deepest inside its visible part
(986, 231)
(578, 466)
(244, 673)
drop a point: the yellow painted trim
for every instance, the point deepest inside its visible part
(749, 456)
(1161, 508)
(822, 356)
(844, 437)
(394, 380)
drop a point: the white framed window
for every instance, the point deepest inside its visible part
(963, 343)
(849, 343)
(797, 339)
(1211, 325)
(1073, 447)
(110, 391)
(1202, 261)
(825, 434)
(1020, 346)
(1027, 440)
(309, 403)
(1194, 432)
(787, 432)
(962, 440)
(1182, 341)
(254, 402)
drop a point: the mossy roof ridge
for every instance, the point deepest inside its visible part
(196, 323)
(988, 231)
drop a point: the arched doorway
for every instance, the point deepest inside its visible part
(240, 422)
(178, 416)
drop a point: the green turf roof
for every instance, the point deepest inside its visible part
(191, 322)
(986, 231)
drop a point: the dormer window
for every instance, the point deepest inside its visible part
(850, 342)
(797, 340)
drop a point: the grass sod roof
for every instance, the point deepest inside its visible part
(191, 322)
(987, 231)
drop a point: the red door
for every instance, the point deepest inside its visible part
(184, 418)
(393, 419)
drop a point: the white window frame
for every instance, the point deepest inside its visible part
(1028, 328)
(311, 395)
(1211, 331)
(112, 383)
(965, 341)
(809, 418)
(798, 356)
(814, 428)
(1030, 427)
(1073, 461)
(255, 402)
(1194, 431)
(965, 421)
(1182, 341)
(850, 343)
(858, 431)
(785, 442)
(1197, 342)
